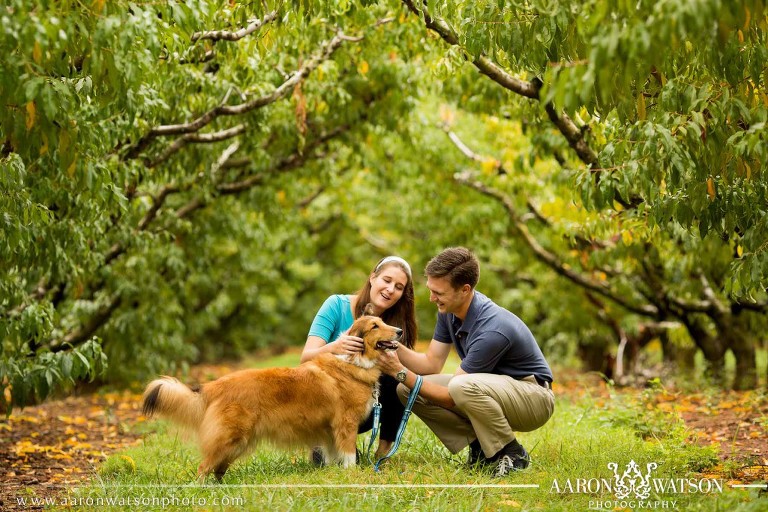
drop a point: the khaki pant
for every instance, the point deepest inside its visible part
(489, 408)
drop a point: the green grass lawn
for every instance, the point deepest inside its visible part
(570, 453)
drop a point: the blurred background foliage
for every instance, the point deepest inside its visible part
(187, 181)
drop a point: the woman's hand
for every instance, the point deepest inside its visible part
(347, 345)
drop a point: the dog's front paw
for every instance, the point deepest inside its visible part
(348, 460)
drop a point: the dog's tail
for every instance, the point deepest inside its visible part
(169, 398)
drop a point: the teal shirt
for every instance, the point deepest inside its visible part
(333, 318)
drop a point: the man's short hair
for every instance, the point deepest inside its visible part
(458, 264)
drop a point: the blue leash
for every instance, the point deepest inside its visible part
(403, 422)
(376, 421)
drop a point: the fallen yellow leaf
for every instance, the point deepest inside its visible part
(31, 113)
(77, 420)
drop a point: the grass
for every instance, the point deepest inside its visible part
(579, 442)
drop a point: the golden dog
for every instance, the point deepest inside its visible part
(319, 403)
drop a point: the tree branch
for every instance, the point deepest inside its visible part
(218, 35)
(709, 293)
(232, 110)
(207, 56)
(575, 137)
(521, 87)
(196, 138)
(84, 332)
(527, 89)
(541, 253)
(292, 161)
(534, 211)
(157, 202)
(225, 156)
(551, 260)
(497, 164)
(760, 307)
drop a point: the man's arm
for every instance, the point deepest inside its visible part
(435, 393)
(430, 362)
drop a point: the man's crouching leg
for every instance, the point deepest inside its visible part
(451, 426)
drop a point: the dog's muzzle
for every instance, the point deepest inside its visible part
(391, 344)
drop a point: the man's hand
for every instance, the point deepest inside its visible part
(389, 363)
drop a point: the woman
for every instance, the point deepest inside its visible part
(389, 289)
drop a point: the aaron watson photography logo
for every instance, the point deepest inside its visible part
(633, 487)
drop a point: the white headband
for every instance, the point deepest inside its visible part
(398, 259)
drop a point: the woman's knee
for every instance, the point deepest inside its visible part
(391, 401)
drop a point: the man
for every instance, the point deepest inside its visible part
(503, 384)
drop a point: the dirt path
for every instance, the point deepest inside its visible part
(45, 449)
(735, 421)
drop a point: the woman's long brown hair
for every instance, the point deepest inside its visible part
(402, 314)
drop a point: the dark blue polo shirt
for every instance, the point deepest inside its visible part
(493, 340)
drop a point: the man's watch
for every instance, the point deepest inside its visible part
(400, 376)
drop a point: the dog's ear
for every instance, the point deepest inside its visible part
(368, 311)
(356, 329)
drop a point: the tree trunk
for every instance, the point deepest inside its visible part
(681, 357)
(712, 346)
(736, 336)
(746, 367)
(631, 354)
(765, 370)
(593, 357)
(733, 332)
(714, 371)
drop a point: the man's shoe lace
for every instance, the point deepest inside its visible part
(514, 462)
(506, 464)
